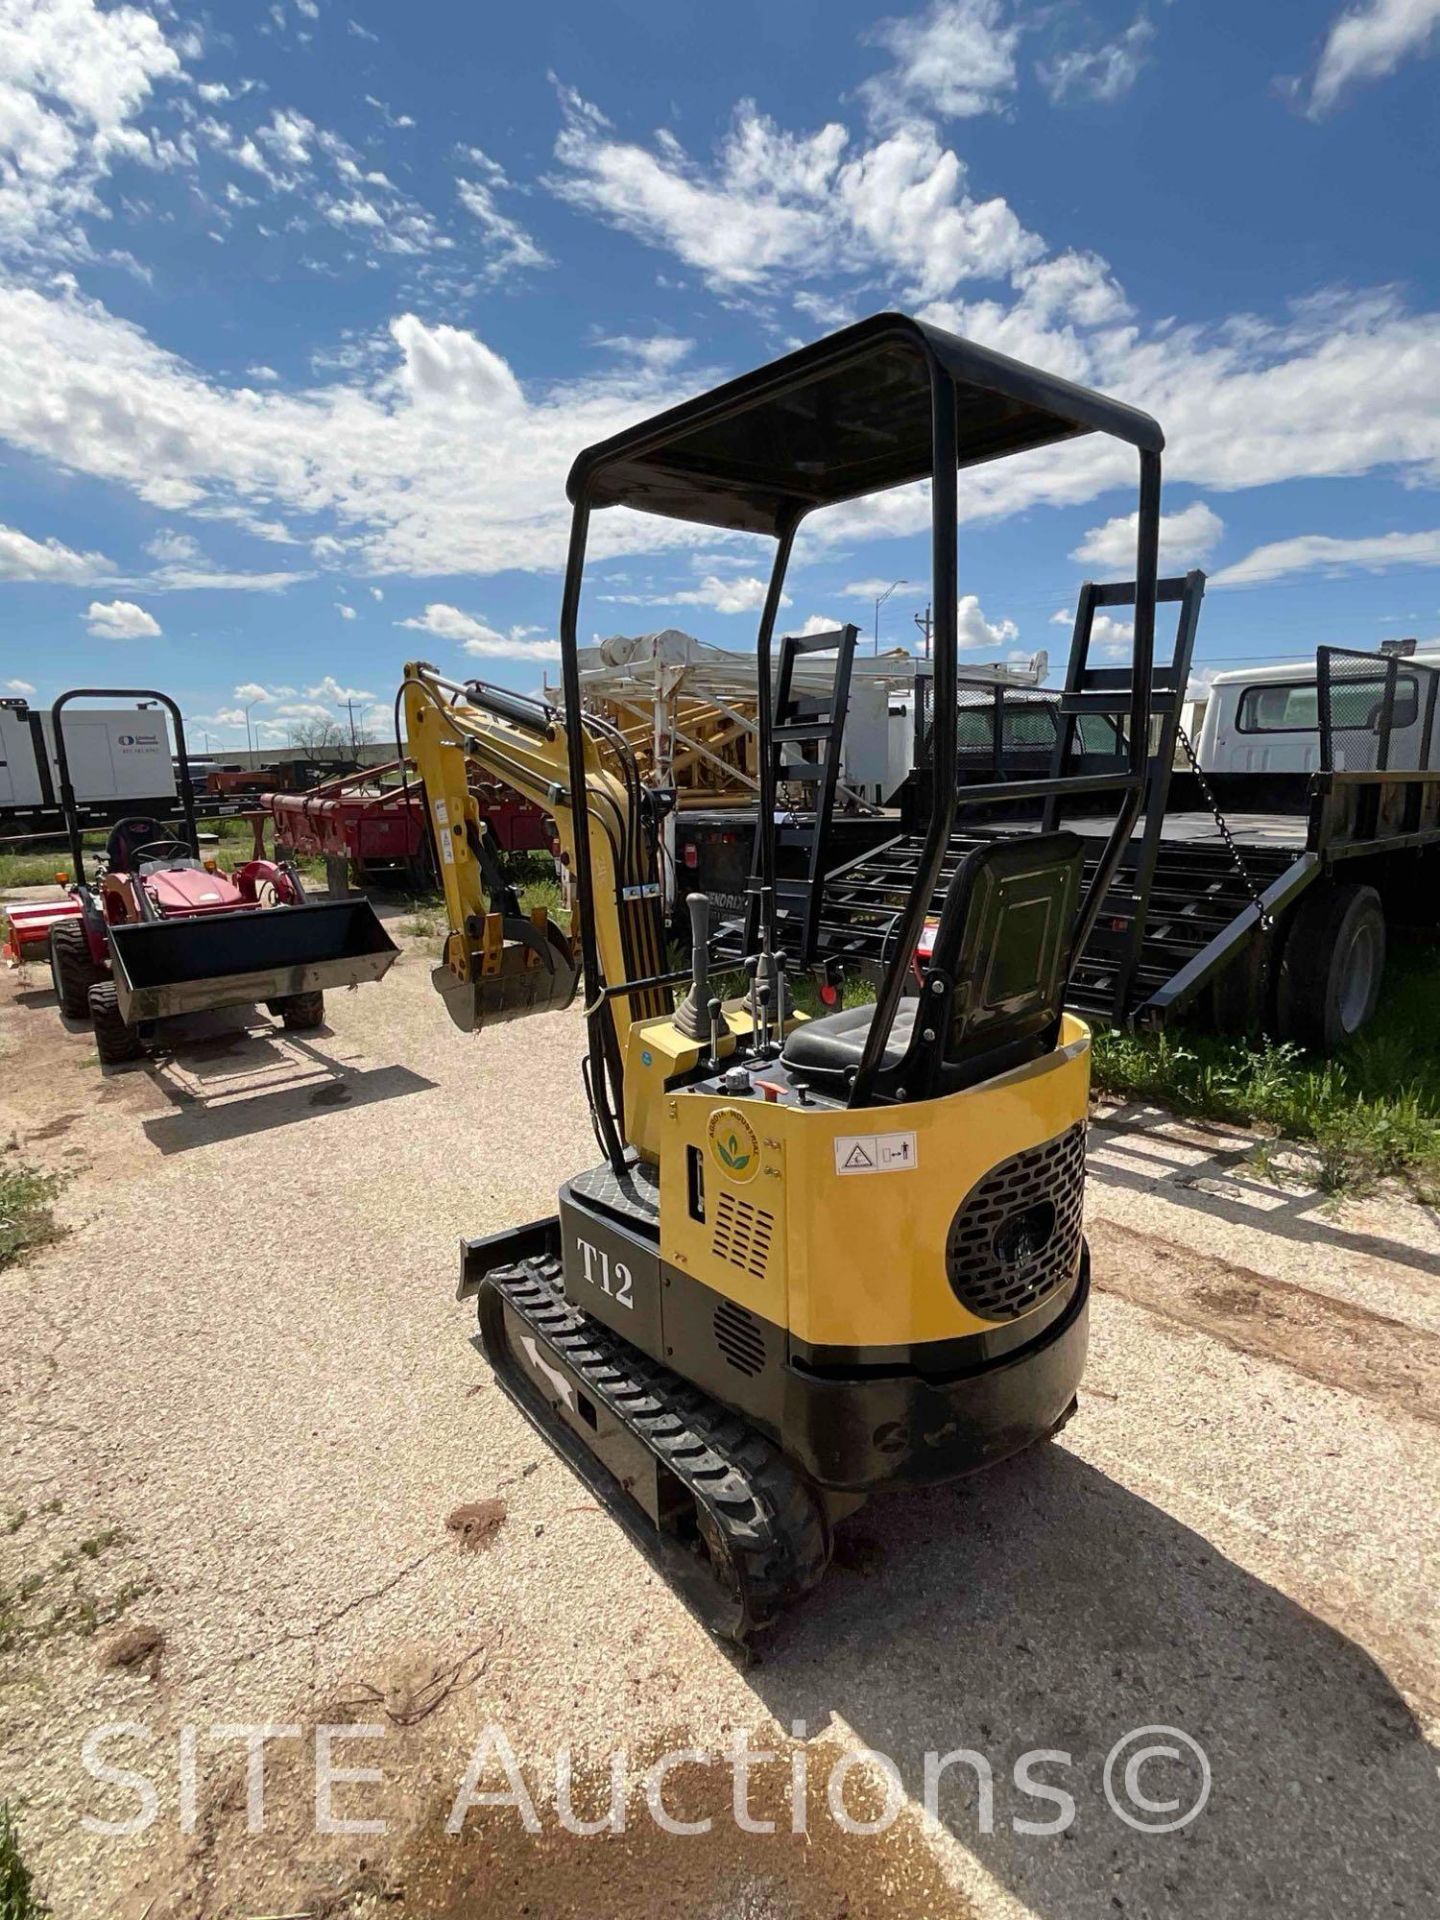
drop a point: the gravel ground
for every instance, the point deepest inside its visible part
(240, 1408)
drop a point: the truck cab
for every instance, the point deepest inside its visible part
(1267, 719)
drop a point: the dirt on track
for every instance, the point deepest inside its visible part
(241, 1412)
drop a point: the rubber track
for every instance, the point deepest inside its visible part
(771, 1522)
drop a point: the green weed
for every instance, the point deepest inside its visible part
(18, 1898)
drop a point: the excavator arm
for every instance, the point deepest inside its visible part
(499, 962)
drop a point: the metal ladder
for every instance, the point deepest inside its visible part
(798, 900)
(1115, 950)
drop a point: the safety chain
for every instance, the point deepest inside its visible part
(1267, 919)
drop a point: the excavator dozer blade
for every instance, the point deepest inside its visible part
(165, 967)
(538, 973)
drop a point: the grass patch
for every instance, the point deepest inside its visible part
(66, 1599)
(26, 1221)
(18, 1898)
(1373, 1111)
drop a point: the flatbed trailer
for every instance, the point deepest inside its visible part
(1259, 901)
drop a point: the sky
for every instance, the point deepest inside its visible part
(308, 307)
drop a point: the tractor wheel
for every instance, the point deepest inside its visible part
(114, 1041)
(72, 969)
(301, 1011)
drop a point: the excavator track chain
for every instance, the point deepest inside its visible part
(732, 1525)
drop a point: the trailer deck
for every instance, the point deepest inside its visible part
(1214, 863)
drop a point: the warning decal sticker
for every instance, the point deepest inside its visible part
(876, 1153)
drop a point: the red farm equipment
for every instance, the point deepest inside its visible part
(382, 833)
(156, 931)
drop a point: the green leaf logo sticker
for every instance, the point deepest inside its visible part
(731, 1152)
(734, 1144)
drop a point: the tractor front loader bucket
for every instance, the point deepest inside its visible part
(165, 967)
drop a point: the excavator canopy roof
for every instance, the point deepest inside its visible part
(845, 417)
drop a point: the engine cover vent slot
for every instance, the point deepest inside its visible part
(742, 1235)
(739, 1338)
(1015, 1238)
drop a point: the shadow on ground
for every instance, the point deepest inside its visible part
(1246, 1198)
(1045, 1606)
(226, 1085)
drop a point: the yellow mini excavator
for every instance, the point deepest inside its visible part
(818, 1258)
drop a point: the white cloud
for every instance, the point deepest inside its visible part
(1105, 72)
(1110, 639)
(872, 589)
(330, 689)
(816, 623)
(304, 710)
(1368, 42)
(450, 623)
(173, 548)
(974, 630)
(1324, 553)
(72, 77)
(391, 455)
(204, 579)
(21, 687)
(377, 593)
(509, 247)
(345, 612)
(121, 620)
(778, 203)
(743, 595)
(659, 351)
(957, 60)
(251, 692)
(22, 558)
(1185, 540)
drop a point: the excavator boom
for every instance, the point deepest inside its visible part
(501, 962)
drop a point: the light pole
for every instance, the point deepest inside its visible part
(249, 742)
(880, 600)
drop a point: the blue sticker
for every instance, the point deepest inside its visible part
(647, 1059)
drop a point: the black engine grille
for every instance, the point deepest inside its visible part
(1016, 1236)
(739, 1338)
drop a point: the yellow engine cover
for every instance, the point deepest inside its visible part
(834, 1223)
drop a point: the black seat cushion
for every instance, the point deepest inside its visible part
(823, 1053)
(128, 836)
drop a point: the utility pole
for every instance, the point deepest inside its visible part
(350, 709)
(924, 623)
(880, 600)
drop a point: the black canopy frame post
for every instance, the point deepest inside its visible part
(69, 806)
(765, 746)
(887, 402)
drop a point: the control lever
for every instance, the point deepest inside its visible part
(690, 1015)
(715, 1011)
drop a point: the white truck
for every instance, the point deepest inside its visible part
(119, 757)
(1267, 719)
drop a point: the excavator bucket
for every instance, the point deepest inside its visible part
(535, 972)
(165, 967)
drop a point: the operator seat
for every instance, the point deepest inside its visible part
(994, 990)
(129, 835)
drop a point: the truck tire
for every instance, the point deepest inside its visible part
(1332, 964)
(301, 1011)
(114, 1041)
(72, 969)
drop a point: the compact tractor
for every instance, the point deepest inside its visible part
(819, 1259)
(155, 930)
